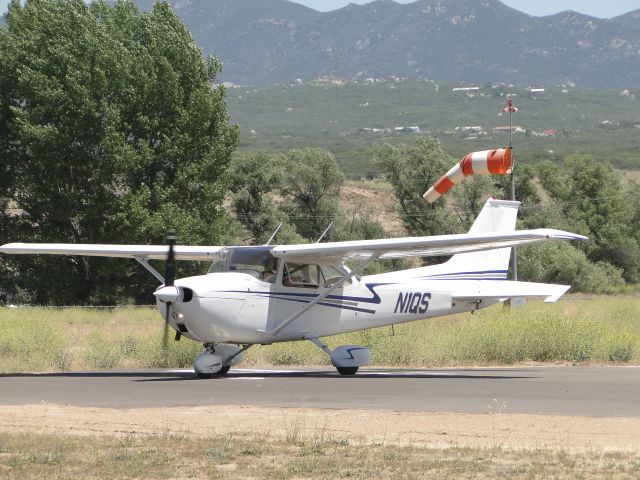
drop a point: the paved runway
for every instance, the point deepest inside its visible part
(591, 391)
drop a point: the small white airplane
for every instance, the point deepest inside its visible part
(268, 294)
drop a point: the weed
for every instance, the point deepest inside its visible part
(36, 458)
(222, 451)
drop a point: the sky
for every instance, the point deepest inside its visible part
(595, 8)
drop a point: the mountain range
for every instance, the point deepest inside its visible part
(452, 41)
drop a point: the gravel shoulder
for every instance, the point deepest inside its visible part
(496, 429)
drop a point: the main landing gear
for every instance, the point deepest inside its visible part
(347, 358)
(217, 360)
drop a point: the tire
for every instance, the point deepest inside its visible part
(347, 370)
(223, 371)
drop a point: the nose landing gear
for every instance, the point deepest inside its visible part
(217, 360)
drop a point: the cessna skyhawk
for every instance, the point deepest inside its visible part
(268, 294)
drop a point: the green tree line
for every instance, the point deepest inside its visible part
(112, 130)
(579, 194)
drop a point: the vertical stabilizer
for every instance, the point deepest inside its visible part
(495, 216)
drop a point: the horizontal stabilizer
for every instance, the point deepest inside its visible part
(503, 289)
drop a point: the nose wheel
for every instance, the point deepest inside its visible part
(217, 359)
(223, 371)
(347, 370)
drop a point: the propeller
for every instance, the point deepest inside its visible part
(169, 293)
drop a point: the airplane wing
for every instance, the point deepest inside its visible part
(438, 245)
(335, 252)
(148, 252)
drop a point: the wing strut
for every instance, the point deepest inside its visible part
(324, 295)
(145, 263)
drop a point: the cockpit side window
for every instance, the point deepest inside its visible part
(302, 275)
(334, 274)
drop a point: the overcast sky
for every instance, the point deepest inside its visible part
(596, 8)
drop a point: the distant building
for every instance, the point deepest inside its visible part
(609, 125)
(550, 132)
(469, 130)
(407, 129)
(465, 89)
(515, 129)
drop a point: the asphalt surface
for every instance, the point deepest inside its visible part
(590, 391)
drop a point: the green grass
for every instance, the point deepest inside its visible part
(575, 330)
(238, 456)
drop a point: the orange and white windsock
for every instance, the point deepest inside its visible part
(493, 162)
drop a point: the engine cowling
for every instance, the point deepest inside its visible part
(348, 356)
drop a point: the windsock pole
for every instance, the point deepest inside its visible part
(512, 182)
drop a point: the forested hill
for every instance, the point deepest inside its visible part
(272, 41)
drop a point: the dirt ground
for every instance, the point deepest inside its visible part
(496, 429)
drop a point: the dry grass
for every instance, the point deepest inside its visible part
(576, 330)
(235, 456)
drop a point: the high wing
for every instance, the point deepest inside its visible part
(333, 253)
(438, 245)
(146, 252)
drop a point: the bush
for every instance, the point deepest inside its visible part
(562, 263)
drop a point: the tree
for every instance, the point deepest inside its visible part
(470, 196)
(412, 170)
(531, 213)
(113, 132)
(595, 203)
(255, 177)
(311, 184)
(300, 189)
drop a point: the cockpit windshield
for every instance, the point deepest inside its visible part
(256, 261)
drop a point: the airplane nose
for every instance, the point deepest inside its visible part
(167, 294)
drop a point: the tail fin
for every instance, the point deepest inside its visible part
(495, 216)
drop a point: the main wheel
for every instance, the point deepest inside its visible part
(347, 370)
(223, 371)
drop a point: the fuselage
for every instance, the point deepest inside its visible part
(240, 307)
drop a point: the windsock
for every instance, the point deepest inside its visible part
(495, 162)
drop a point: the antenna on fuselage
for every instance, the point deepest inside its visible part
(274, 234)
(325, 232)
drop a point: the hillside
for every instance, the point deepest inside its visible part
(266, 42)
(348, 119)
